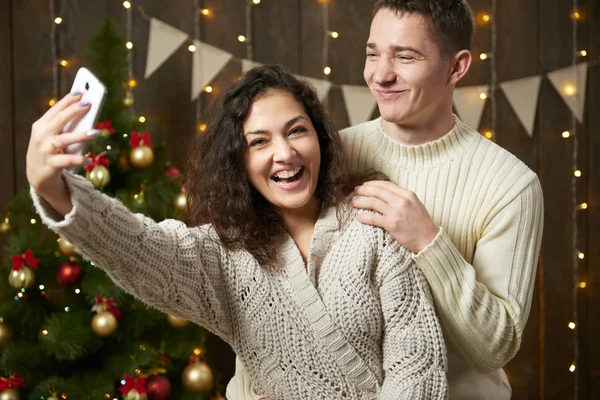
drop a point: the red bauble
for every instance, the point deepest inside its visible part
(159, 387)
(69, 273)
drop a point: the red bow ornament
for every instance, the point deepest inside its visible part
(105, 126)
(106, 305)
(15, 382)
(140, 139)
(100, 159)
(26, 258)
(131, 383)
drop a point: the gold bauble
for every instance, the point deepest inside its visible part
(21, 279)
(141, 157)
(9, 394)
(180, 202)
(66, 247)
(177, 322)
(134, 395)
(197, 377)
(128, 100)
(5, 335)
(104, 323)
(5, 226)
(99, 176)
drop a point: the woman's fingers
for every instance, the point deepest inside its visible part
(61, 105)
(73, 112)
(60, 142)
(63, 161)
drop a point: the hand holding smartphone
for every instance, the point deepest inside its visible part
(93, 91)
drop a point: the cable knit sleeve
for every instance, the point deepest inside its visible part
(414, 353)
(176, 269)
(484, 306)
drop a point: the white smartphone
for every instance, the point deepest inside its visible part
(93, 91)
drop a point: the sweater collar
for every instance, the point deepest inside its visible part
(427, 155)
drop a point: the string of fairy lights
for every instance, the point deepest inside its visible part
(577, 256)
(486, 18)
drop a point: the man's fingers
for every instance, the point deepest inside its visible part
(371, 203)
(389, 186)
(381, 193)
(372, 219)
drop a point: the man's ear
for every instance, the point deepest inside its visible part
(460, 65)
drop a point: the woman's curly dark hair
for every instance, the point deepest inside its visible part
(219, 191)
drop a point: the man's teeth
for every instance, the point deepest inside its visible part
(288, 174)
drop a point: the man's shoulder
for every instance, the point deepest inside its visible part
(362, 128)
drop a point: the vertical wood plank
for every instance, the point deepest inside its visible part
(7, 156)
(592, 293)
(516, 57)
(32, 74)
(555, 51)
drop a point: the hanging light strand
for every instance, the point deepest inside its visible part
(197, 21)
(54, 45)
(574, 208)
(249, 37)
(493, 73)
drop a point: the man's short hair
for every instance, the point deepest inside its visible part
(451, 20)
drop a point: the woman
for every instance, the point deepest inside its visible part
(315, 304)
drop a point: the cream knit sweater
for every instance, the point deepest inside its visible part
(481, 267)
(356, 323)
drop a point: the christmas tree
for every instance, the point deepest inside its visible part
(66, 331)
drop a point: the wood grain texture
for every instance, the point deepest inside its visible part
(531, 40)
(7, 156)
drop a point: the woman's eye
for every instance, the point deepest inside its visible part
(299, 129)
(257, 142)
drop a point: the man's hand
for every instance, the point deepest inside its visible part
(400, 212)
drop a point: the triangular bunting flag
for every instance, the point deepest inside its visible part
(469, 103)
(360, 103)
(322, 87)
(247, 65)
(163, 40)
(208, 62)
(571, 84)
(522, 94)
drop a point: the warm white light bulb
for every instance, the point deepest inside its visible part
(334, 34)
(256, 1)
(129, 45)
(142, 119)
(577, 174)
(327, 70)
(571, 325)
(572, 368)
(242, 38)
(483, 56)
(483, 96)
(127, 4)
(58, 20)
(566, 134)
(208, 89)
(192, 48)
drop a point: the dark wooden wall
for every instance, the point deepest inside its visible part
(531, 39)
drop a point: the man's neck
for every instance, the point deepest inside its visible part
(417, 134)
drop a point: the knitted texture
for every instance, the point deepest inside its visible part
(357, 322)
(481, 266)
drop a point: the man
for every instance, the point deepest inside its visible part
(470, 211)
